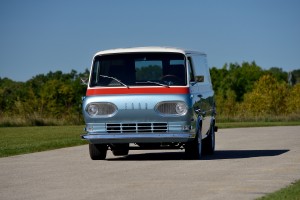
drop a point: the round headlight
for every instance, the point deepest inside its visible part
(101, 109)
(92, 109)
(181, 108)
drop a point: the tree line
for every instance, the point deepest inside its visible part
(51, 99)
(245, 92)
(242, 92)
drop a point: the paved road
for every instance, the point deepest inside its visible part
(248, 163)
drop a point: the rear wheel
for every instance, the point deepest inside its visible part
(98, 151)
(193, 149)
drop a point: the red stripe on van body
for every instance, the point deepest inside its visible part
(104, 91)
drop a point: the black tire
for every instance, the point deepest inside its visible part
(120, 149)
(193, 149)
(209, 142)
(98, 151)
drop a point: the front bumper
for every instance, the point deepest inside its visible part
(138, 138)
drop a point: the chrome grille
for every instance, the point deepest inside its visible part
(136, 127)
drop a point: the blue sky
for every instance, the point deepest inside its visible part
(41, 36)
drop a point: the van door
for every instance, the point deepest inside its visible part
(201, 89)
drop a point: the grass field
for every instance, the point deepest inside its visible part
(21, 140)
(292, 192)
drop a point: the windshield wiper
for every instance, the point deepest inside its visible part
(155, 83)
(115, 80)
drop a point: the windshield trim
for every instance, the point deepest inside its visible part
(133, 57)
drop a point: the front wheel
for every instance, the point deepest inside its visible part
(98, 151)
(209, 142)
(193, 149)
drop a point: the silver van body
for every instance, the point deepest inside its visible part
(151, 97)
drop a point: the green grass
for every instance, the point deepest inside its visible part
(22, 140)
(290, 192)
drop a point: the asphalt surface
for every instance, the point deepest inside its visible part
(248, 163)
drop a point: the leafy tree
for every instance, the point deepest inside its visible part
(9, 92)
(237, 78)
(267, 98)
(218, 76)
(54, 95)
(278, 73)
(226, 103)
(293, 100)
(296, 76)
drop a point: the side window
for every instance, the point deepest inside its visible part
(191, 71)
(201, 68)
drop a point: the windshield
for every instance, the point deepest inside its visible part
(139, 69)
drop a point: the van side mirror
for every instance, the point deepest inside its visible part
(200, 78)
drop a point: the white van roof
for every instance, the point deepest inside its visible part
(148, 49)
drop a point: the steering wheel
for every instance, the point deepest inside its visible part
(171, 78)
